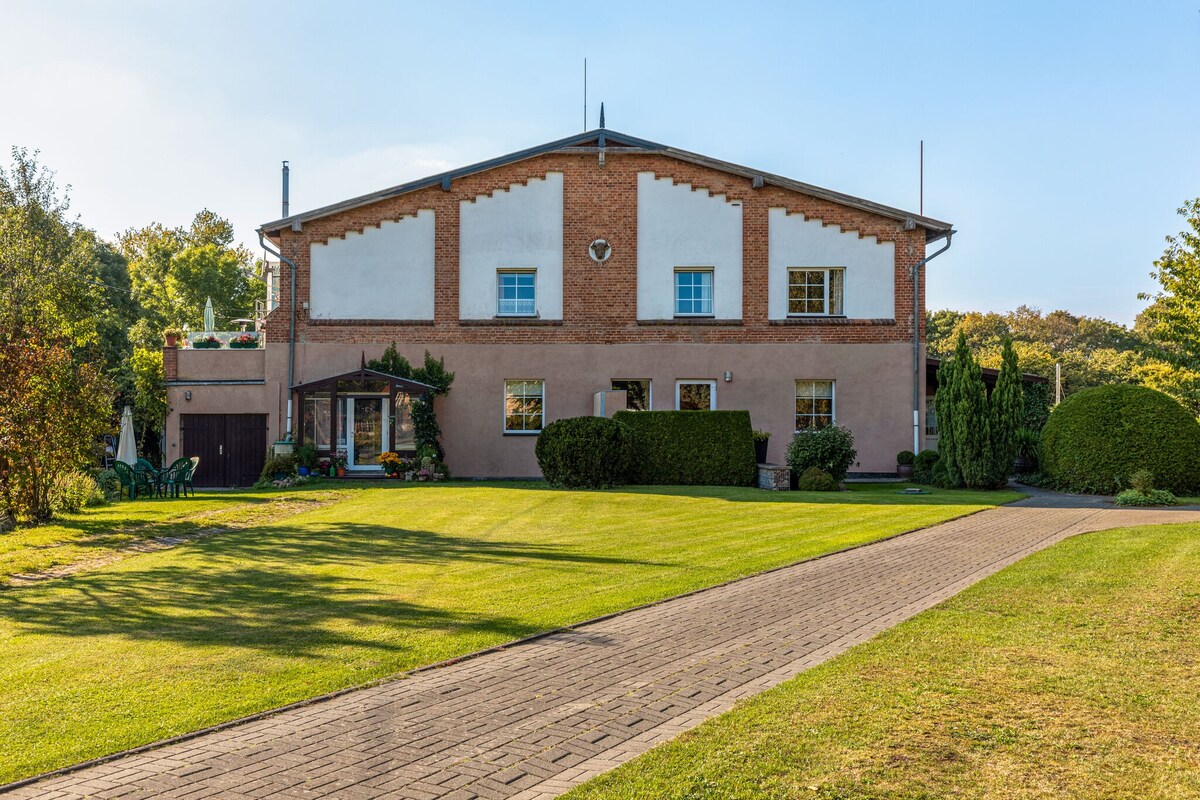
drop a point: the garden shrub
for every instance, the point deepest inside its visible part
(1096, 439)
(830, 448)
(585, 453)
(704, 448)
(109, 483)
(1153, 497)
(284, 464)
(71, 491)
(923, 466)
(1142, 480)
(815, 479)
(905, 457)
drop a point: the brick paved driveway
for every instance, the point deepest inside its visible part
(536, 719)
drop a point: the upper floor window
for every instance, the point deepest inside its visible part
(516, 293)
(693, 292)
(814, 405)
(816, 291)
(523, 406)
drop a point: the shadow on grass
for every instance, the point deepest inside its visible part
(237, 591)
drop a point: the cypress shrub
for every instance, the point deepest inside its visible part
(1097, 439)
(1007, 406)
(585, 453)
(923, 466)
(970, 421)
(945, 402)
(706, 448)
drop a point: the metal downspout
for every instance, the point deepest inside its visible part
(291, 331)
(916, 279)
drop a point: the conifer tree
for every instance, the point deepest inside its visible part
(944, 403)
(972, 426)
(1007, 406)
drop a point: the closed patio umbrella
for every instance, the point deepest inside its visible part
(209, 323)
(126, 446)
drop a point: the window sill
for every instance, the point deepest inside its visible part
(371, 322)
(521, 433)
(517, 321)
(831, 321)
(709, 321)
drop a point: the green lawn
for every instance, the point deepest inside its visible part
(1071, 674)
(379, 581)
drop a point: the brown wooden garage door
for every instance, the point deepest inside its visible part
(232, 447)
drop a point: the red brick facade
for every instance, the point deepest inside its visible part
(600, 301)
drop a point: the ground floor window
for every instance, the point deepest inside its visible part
(696, 395)
(814, 404)
(930, 418)
(403, 433)
(637, 393)
(524, 405)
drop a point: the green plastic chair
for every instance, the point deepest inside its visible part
(133, 480)
(185, 481)
(170, 480)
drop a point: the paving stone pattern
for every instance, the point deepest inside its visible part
(534, 720)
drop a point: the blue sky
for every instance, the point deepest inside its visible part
(1060, 138)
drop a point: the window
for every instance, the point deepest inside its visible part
(403, 432)
(693, 292)
(523, 406)
(696, 395)
(637, 394)
(814, 405)
(816, 291)
(930, 418)
(316, 421)
(517, 293)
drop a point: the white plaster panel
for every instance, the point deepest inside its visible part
(381, 273)
(682, 227)
(518, 227)
(794, 241)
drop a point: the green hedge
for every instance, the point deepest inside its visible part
(706, 448)
(1096, 439)
(585, 452)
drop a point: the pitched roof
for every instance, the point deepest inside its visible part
(615, 141)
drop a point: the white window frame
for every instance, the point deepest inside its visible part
(832, 401)
(712, 288)
(826, 312)
(500, 273)
(649, 388)
(504, 407)
(712, 391)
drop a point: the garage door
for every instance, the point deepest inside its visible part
(232, 447)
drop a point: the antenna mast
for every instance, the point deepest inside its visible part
(921, 200)
(585, 93)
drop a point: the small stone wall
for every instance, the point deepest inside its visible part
(774, 477)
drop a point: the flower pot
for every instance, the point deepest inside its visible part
(172, 340)
(904, 471)
(760, 450)
(341, 472)
(302, 470)
(1023, 465)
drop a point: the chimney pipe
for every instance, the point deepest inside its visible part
(285, 188)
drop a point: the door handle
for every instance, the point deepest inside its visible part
(220, 449)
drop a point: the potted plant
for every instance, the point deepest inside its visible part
(323, 467)
(761, 440)
(306, 458)
(904, 463)
(172, 336)
(208, 342)
(1027, 451)
(338, 464)
(244, 341)
(391, 463)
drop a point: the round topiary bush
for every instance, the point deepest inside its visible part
(1097, 439)
(830, 448)
(585, 453)
(816, 479)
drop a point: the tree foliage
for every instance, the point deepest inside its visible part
(1007, 410)
(432, 372)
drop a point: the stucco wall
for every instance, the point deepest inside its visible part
(378, 273)
(521, 227)
(794, 241)
(679, 226)
(874, 390)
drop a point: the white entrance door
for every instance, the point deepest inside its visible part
(366, 431)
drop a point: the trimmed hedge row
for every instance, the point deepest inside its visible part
(706, 448)
(1098, 438)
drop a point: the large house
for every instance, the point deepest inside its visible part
(578, 277)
